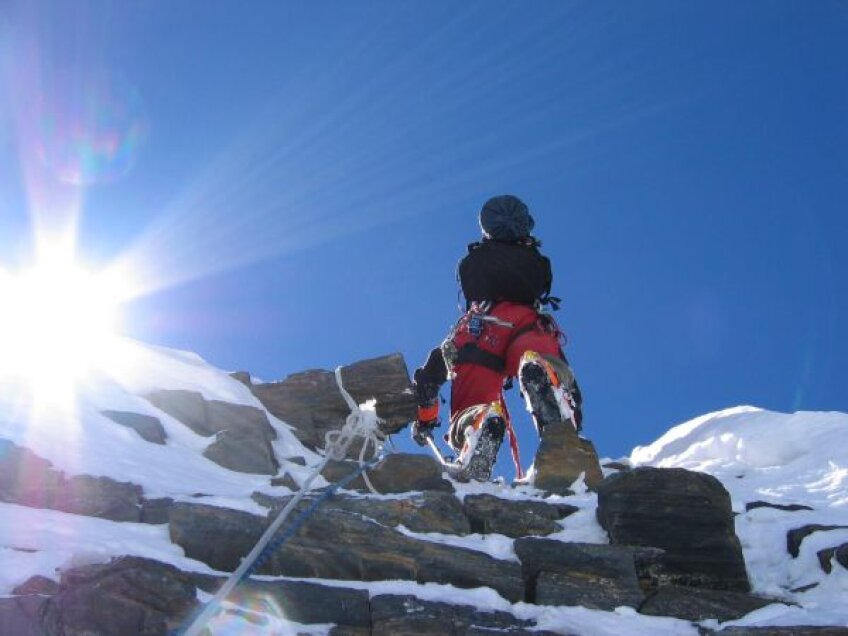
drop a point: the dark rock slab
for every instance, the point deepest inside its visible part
(649, 567)
(698, 604)
(188, 407)
(149, 428)
(826, 557)
(209, 417)
(406, 615)
(243, 451)
(286, 481)
(37, 585)
(156, 511)
(562, 457)
(300, 601)
(336, 544)
(243, 434)
(428, 511)
(243, 377)
(753, 505)
(686, 514)
(130, 595)
(514, 518)
(26, 478)
(29, 480)
(594, 576)
(21, 615)
(796, 536)
(398, 473)
(219, 537)
(101, 497)
(312, 404)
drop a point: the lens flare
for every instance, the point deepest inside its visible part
(90, 127)
(58, 323)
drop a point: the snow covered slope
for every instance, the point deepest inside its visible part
(78, 439)
(799, 459)
(788, 461)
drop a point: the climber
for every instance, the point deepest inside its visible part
(504, 333)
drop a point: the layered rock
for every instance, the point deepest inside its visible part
(29, 480)
(594, 576)
(398, 473)
(149, 428)
(337, 544)
(243, 434)
(312, 404)
(488, 514)
(562, 458)
(128, 596)
(686, 514)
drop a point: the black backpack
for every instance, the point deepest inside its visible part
(505, 271)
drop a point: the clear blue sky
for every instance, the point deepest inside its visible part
(300, 180)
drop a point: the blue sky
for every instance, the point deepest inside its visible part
(298, 181)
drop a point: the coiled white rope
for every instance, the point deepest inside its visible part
(361, 422)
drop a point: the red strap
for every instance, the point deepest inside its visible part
(513, 441)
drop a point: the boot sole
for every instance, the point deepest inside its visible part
(539, 394)
(485, 453)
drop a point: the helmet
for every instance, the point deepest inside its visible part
(506, 218)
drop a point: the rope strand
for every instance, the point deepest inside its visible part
(359, 423)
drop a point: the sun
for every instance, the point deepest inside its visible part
(58, 321)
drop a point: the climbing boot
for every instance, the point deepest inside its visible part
(482, 431)
(544, 393)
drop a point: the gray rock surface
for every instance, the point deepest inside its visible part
(687, 514)
(753, 505)
(37, 585)
(335, 544)
(562, 457)
(156, 511)
(300, 601)
(591, 575)
(514, 518)
(21, 615)
(209, 417)
(149, 428)
(698, 604)
(796, 536)
(826, 556)
(404, 615)
(428, 511)
(244, 452)
(243, 434)
(130, 595)
(313, 405)
(398, 473)
(101, 497)
(29, 480)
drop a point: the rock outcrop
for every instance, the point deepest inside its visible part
(686, 514)
(673, 551)
(312, 404)
(243, 434)
(562, 458)
(29, 480)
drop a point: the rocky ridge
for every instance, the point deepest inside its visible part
(672, 550)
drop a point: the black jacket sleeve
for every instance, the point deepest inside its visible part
(430, 378)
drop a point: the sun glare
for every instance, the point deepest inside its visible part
(57, 322)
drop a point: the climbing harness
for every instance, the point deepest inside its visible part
(359, 423)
